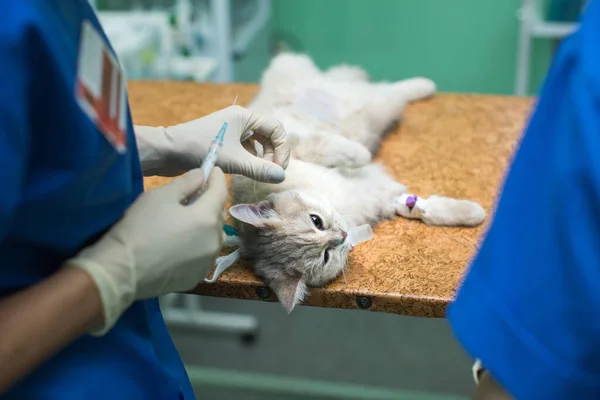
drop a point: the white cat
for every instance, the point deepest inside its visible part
(294, 233)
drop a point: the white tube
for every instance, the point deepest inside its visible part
(360, 234)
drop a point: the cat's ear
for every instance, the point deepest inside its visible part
(254, 214)
(290, 290)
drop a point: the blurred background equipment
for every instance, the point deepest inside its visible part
(182, 39)
(497, 47)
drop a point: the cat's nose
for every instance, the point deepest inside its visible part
(344, 235)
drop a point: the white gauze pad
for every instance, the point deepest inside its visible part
(360, 234)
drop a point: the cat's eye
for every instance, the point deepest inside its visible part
(317, 221)
(326, 256)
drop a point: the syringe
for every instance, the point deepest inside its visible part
(209, 162)
(211, 159)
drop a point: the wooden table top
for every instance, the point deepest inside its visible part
(456, 145)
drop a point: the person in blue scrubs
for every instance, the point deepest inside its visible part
(84, 252)
(529, 307)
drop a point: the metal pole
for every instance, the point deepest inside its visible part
(220, 10)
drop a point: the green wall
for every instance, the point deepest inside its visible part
(463, 45)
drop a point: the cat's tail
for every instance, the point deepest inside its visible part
(416, 88)
(440, 211)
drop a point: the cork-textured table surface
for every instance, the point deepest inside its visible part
(457, 145)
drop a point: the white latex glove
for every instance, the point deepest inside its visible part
(174, 150)
(160, 246)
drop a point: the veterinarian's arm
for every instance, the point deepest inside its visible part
(40, 320)
(529, 305)
(176, 149)
(146, 254)
(36, 321)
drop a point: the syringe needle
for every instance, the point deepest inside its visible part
(235, 101)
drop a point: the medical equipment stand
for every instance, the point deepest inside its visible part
(533, 26)
(185, 311)
(220, 11)
(212, 61)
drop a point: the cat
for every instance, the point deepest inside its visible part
(294, 233)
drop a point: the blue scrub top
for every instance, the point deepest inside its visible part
(529, 307)
(63, 185)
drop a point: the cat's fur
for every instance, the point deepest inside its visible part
(330, 175)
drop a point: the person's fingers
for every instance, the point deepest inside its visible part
(255, 168)
(246, 135)
(268, 151)
(250, 146)
(273, 131)
(187, 184)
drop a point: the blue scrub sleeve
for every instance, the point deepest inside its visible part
(14, 126)
(529, 307)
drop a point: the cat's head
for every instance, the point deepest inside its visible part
(294, 239)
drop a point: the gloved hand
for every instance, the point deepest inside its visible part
(177, 149)
(160, 246)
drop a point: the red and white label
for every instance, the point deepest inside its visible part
(100, 88)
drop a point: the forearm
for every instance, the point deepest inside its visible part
(39, 321)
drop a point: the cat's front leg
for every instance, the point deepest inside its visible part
(331, 150)
(440, 211)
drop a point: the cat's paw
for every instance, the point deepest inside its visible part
(416, 88)
(347, 73)
(445, 211)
